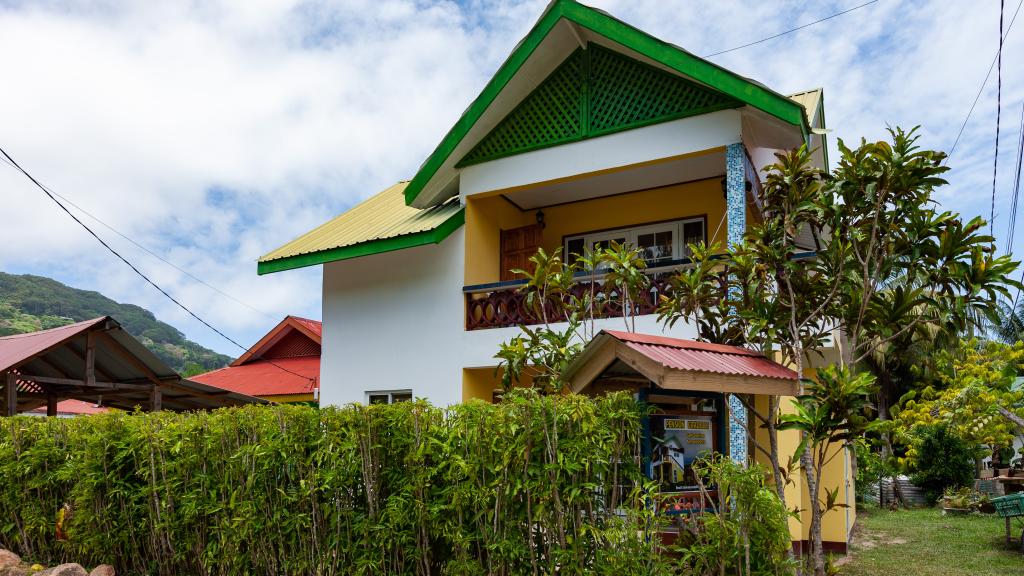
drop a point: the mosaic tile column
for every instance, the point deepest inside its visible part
(736, 225)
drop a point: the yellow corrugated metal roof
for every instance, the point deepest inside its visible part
(381, 217)
(809, 100)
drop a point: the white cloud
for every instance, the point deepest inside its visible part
(215, 131)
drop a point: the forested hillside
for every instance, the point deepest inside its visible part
(29, 303)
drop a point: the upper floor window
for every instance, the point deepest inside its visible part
(659, 243)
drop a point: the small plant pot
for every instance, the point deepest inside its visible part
(956, 511)
(986, 473)
(987, 508)
(1004, 471)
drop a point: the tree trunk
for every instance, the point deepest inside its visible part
(884, 393)
(817, 549)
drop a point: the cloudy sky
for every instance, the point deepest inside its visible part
(211, 132)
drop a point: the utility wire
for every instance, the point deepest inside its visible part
(1016, 194)
(147, 250)
(1011, 233)
(136, 270)
(999, 112)
(791, 30)
(984, 82)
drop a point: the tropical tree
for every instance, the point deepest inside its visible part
(976, 398)
(831, 415)
(542, 353)
(886, 273)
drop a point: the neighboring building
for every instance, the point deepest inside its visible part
(71, 408)
(96, 362)
(591, 131)
(284, 366)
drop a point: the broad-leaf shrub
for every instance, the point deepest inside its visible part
(528, 486)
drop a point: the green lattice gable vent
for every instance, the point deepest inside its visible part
(595, 91)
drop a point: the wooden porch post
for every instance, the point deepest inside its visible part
(155, 399)
(10, 394)
(51, 405)
(90, 358)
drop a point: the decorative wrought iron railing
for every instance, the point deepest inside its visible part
(503, 304)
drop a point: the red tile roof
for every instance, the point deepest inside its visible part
(680, 354)
(73, 408)
(263, 378)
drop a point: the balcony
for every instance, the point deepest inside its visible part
(503, 304)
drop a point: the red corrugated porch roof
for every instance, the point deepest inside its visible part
(614, 360)
(680, 354)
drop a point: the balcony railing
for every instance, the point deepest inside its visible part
(503, 304)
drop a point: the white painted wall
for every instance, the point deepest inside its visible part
(655, 142)
(395, 321)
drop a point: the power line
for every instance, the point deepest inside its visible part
(999, 112)
(1016, 194)
(791, 30)
(1011, 233)
(51, 196)
(147, 250)
(984, 82)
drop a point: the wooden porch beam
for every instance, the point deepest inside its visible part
(731, 384)
(214, 396)
(652, 370)
(99, 370)
(83, 383)
(594, 367)
(127, 356)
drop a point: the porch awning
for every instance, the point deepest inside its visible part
(623, 359)
(97, 361)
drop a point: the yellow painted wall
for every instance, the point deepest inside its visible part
(480, 383)
(286, 398)
(796, 492)
(487, 216)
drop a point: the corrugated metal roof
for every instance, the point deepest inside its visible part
(690, 355)
(379, 217)
(72, 408)
(263, 378)
(314, 326)
(59, 352)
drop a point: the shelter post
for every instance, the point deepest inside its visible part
(10, 394)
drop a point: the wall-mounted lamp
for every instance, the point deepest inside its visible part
(540, 218)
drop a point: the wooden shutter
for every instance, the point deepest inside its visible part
(517, 246)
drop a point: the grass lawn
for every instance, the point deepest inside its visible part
(923, 542)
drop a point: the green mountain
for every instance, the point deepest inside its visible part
(29, 303)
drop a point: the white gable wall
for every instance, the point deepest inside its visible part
(393, 321)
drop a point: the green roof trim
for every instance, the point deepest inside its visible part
(599, 22)
(379, 246)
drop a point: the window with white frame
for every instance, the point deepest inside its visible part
(659, 243)
(388, 396)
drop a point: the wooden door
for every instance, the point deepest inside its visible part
(517, 246)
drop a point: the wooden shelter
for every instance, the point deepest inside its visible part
(97, 361)
(624, 360)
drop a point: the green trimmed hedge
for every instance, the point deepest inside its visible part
(513, 488)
